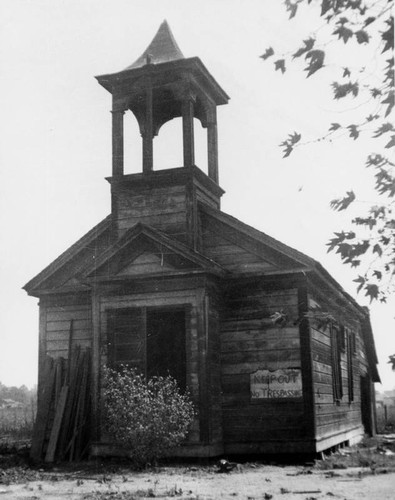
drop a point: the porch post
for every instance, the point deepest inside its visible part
(148, 157)
(212, 145)
(187, 131)
(117, 142)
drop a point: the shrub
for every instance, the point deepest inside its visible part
(148, 418)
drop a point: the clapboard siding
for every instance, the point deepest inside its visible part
(250, 341)
(58, 324)
(138, 201)
(161, 207)
(261, 355)
(334, 417)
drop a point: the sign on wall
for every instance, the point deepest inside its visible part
(282, 383)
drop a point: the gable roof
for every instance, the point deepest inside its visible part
(306, 263)
(87, 242)
(250, 232)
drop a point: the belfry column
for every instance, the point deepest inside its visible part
(212, 145)
(187, 131)
(117, 142)
(148, 149)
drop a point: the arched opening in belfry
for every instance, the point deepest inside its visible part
(133, 153)
(168, 145)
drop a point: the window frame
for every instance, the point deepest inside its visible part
(337, 379)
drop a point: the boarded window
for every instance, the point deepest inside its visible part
(126, 338)
(342, 338)
(336, 363)
(350, 359)
(166, 344)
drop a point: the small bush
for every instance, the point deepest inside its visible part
(148, 418)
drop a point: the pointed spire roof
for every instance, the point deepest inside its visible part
(163, 48)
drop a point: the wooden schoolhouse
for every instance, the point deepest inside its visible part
(278, 358)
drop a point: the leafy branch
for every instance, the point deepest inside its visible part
(369, 25)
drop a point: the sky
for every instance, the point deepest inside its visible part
(55, 128)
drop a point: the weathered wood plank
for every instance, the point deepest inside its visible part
(322, 368)
(320, 337)
(83, 314)
(253, 435)
(261, 344)
(54, 436)
(253, 366)
(322, 378)
(323, 388)
(55, 326)
(175, 219)
(63, 345)
(175, 206)
(267, 408)
(264, 356)
(43, 408)
(337, 419)
(63, 335)
(67, 300)
(256, 330)
(68, 307)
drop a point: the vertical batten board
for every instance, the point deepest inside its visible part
(202, 321)
(191, 214)
(95, 376)
(214, 349)
(306, 361)
(144, 337)
(42, 344)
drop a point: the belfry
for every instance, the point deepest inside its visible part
(171, 285)
(161, 85)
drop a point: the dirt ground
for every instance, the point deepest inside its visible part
(366, 472)
(258, 482)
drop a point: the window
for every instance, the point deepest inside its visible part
(342, 338)
(336, 343)
(125, 338)
(350, 366)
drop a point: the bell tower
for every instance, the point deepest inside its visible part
(161, 85)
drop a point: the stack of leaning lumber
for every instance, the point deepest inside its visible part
(61, 430)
